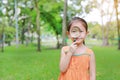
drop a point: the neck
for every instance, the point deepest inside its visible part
(81, 48)
(81, 45)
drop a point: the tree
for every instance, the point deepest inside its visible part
(64, 29)
(51, 19)
(2, 36)
(1, 31)
(118, 25)
(37, 22)
(54, 23)
(9, 33)
(16, 24)
(49, 15)
(95, 30)
(106, 12)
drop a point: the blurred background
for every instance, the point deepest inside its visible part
(44, 22)
(28, 27)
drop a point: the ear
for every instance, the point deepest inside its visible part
(87, 33)
(68, 34)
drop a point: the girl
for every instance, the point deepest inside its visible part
(77, 61)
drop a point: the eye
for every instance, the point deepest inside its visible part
(73, 31)
(81, 31)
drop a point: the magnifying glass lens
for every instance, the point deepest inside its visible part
(75, 32)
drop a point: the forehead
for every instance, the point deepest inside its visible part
(78, 24)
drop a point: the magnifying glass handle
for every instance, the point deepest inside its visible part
(74, 40)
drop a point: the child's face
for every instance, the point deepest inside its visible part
(77, 32)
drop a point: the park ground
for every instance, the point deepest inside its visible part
(25, 63)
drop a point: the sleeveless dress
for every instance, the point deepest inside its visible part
(78, 68)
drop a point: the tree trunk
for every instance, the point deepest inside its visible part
(22, 36)
(3, 39)
(58, 43)
(118, 25)
(64, 24)
(105, 41)
(16, 24)
(23, 31)
(37, 22)
(104, 28)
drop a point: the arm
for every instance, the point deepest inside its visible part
(66, 54)
(65, 59)
(92, 67)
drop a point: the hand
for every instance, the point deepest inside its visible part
(78, 41)
(73, 47)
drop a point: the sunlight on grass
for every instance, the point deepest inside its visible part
(25, 63)
(107, 61)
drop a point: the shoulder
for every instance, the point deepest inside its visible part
(65, 47)
(90, 51)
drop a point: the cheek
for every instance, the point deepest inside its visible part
(69, 36)
(83, 35)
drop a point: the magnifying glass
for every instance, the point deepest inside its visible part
(75, 33)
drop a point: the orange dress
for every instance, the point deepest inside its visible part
(78, 67)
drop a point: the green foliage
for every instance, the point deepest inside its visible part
(9, 34)
(51, 15)
(79, 8)
(0, 30)
(112, 30)
(95, 30)
(53, 22)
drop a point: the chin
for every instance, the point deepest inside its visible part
(79, 43)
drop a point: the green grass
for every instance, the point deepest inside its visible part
(25, 63)
(107, 63)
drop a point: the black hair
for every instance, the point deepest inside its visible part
(77, 19)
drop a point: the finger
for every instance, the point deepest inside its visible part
(73, 46)
(74, 43)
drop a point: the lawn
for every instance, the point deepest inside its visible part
(25, 63)
(107, 61)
